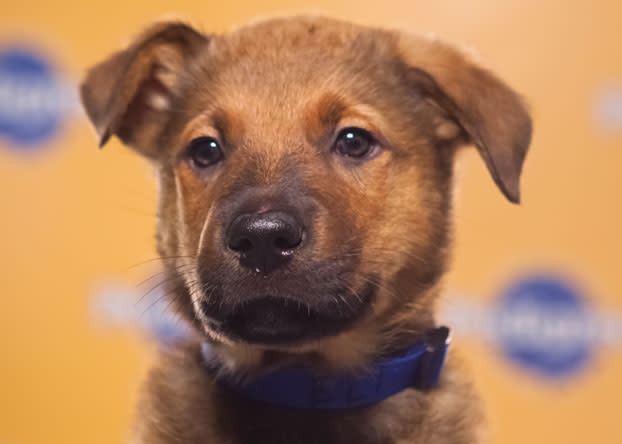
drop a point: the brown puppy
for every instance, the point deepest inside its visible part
(305, 169)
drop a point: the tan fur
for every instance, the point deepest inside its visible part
(276, 93)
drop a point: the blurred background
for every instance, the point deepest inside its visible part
(534, 292)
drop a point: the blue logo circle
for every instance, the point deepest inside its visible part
(544, 324)
(32, 98)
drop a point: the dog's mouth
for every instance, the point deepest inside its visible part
(274, 320)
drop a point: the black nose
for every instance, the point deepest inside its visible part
(264, 241)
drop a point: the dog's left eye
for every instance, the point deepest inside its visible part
(204, 151)
(356, 143)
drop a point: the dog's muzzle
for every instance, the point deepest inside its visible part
(268, 319)
(266, 281)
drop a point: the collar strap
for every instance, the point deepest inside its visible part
(299, 387)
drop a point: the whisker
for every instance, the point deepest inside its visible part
(159, 258)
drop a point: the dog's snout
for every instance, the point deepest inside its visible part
(265, 241)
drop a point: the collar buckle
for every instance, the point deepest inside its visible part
(432, 360)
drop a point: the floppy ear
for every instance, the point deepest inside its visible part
(129, 93)
(493, 116)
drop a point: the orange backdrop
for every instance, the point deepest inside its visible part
(75, 220)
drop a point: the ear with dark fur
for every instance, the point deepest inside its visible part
(492, 115)
(129, 93)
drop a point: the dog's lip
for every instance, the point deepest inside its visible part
(275, 320)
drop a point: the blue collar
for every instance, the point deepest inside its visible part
(299, 387)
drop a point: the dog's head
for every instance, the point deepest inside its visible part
(305, 170)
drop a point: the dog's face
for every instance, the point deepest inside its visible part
(305, 169)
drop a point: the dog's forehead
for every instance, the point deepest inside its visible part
(293, 51)
(282, 71)
(293, 38)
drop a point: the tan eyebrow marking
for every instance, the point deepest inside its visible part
(218, 124)
(330, 109)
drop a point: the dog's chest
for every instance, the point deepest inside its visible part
(252, 423)
(182, 404)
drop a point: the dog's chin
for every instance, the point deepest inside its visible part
(273, 320)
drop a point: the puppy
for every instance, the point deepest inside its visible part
(305, 176)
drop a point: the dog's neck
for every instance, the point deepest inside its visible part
(418, 367)
(349, 351)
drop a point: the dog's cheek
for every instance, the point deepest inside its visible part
(336, 224)
(169, 246)
(379, 201)
(409, 231)
(360, 223)
(193, 197)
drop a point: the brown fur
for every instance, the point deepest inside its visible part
(274, 94)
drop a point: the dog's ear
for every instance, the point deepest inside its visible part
(129, 93)
(493, 116)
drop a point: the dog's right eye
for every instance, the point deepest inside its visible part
(356, 143)
(204, 151)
